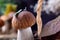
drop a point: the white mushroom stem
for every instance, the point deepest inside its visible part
(25, 34)
(5, 28)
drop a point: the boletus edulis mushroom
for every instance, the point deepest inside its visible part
(22, 22)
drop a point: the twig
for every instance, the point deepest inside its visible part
(38, 18)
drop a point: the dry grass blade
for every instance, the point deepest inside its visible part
(38, 18)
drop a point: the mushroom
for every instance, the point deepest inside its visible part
(52, 27)
(22, 22)
(1, 23)
(7, 22)
(8, 14)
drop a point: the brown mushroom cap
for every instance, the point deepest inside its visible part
(10, 15)
(24, 20)
(4, 17)
(1, 22)
(7, 17)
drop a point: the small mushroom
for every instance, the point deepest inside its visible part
(22, 22)
(7, 22)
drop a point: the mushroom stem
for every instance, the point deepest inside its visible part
(5, 28)
(25, 34)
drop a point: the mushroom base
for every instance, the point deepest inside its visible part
(25, 34)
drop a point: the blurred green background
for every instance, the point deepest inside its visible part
(3, 5)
